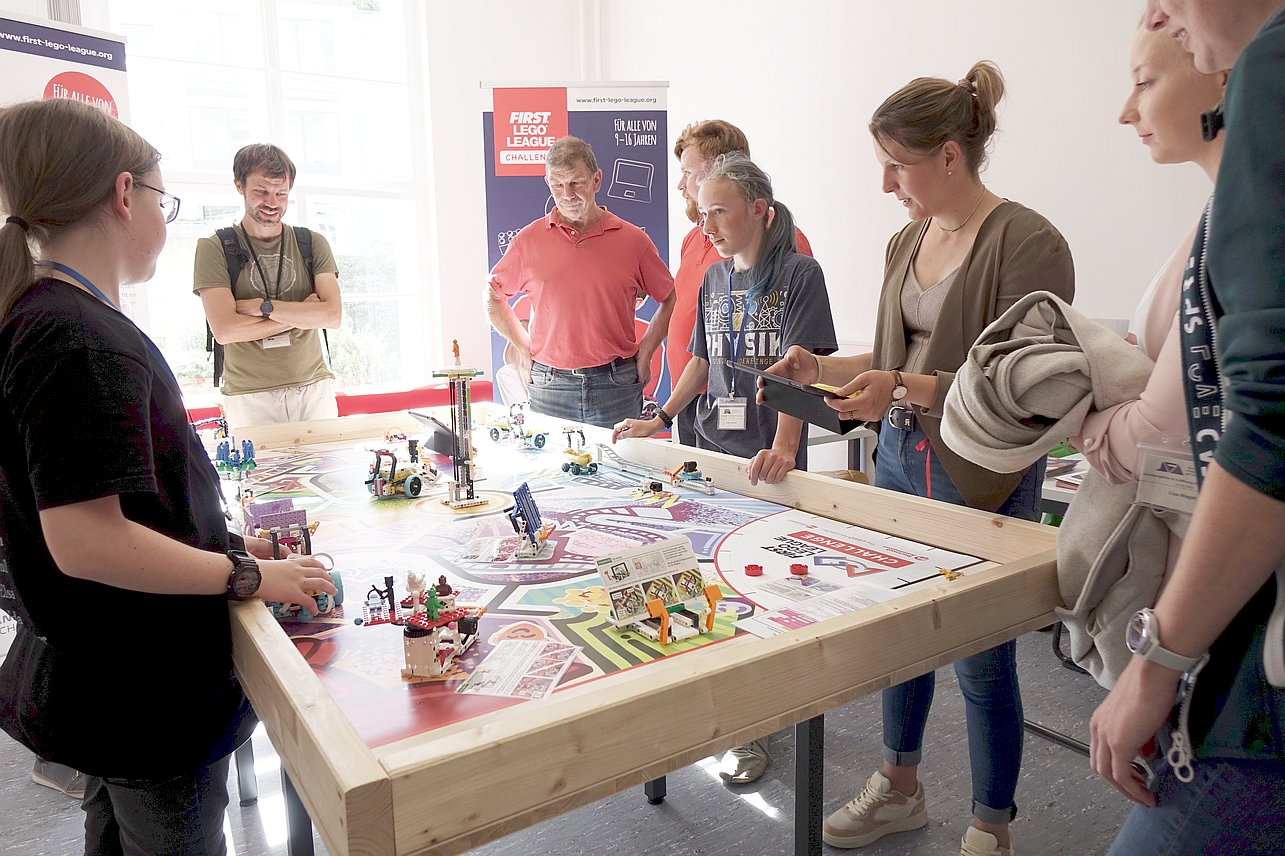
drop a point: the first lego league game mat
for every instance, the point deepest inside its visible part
(560, 600)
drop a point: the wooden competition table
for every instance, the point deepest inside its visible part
(455, 787)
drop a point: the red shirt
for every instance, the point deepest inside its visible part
(697, 255)
(582, 287)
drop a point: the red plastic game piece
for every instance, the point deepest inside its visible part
(799, 570)
(753, 570)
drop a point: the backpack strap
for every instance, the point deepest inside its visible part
(234, 257)
(303, 238)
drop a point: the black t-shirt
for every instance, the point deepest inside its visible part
(87, 410)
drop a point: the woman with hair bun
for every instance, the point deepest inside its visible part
(134, 532)
(966, 257)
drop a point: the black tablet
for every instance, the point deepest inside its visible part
(800, 400)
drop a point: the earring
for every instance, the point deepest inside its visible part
(948, 172)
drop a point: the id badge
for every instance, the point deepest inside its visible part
(1167, 479)
(732, 413)
(281, 340)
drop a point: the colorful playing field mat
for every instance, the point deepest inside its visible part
(559, 600)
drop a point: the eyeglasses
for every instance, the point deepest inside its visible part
(169, 202)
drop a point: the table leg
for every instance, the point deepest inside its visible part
(809, 782)
(298, 824)
(247, 784)
(655, 791)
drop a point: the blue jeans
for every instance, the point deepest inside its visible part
(140, 817)
(992, 700)
(1231, 806)
(602, 396)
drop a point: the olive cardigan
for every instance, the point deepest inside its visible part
(1016, 252)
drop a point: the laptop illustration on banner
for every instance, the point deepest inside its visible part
(631, 179)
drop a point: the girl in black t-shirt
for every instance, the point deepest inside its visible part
(130, 531)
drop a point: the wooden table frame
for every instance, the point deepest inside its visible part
(457, 787)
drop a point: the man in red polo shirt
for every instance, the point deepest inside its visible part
(697, 147)
(582, 268)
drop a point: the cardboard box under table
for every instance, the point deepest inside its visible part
(454, 787)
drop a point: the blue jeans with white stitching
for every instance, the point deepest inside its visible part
(988, 680)
(602, 396)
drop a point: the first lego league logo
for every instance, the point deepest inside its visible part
(526, 124)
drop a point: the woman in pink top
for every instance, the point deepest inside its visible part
(1164, 108)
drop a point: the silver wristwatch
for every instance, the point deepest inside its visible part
(1143, 638)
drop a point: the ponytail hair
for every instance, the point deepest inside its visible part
(59, 160)
(927, 112)
(779, 235)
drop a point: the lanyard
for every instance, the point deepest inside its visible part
(93, 289)
(734, 336)
(281, 263)
(1202, 372)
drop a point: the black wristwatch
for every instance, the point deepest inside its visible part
(665, 417)
(244, 580)
(265, 308)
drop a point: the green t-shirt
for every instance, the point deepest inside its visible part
(249, 366)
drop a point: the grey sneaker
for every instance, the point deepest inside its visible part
(877, 811)
(70, 782)
(744, 764)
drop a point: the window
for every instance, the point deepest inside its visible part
(327, 81)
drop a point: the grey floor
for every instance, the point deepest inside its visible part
(1064, 808)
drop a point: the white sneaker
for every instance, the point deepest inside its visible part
(875, 812)
(743, 764)
(978, 843)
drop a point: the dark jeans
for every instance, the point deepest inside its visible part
(182, 816)
(601, 396)
(1232, 806)
(992, 700)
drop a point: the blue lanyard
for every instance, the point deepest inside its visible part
(93, 289)
(735, 337)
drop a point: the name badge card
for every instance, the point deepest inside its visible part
(281, 340)
(1166, 474)
(732, 413)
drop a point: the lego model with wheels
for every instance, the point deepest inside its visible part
(390, 480)
(513, 427)
(580, 462)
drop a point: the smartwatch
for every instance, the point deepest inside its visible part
(665, 417)
(244, 580)
(1143, 638)
(899, 390)
(265, 308)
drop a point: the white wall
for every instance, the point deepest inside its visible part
(802, 81)
(498, 41)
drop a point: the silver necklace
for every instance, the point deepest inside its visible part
(966, 219)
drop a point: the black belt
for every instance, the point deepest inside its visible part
(617, 363)
(901, 418)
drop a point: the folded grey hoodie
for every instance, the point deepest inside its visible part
(1031, 378)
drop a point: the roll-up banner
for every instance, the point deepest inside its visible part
(50, 59)
(625, 123)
